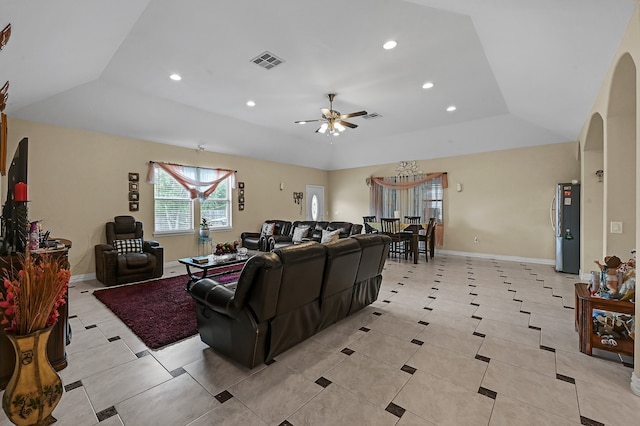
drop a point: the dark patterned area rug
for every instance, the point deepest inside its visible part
(160, 312)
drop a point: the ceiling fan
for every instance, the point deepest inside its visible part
(332, 120)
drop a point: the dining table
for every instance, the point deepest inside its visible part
(409, 232)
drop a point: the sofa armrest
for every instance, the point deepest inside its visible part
(214, 296)
(250, 235)
(106, 263)
(156, 250)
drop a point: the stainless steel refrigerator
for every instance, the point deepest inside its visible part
(566, 224)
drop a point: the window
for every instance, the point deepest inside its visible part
(174, 208)
(424, 200)
(217, 208)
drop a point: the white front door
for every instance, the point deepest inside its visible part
(315, 202)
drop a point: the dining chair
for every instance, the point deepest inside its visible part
(368, 229)
(426, 239)
(391, 227)
(414, 220)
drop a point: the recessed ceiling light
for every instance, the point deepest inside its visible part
(451, 108)
(175, 77)
(390, 44)
(251, 103)
(427, 85)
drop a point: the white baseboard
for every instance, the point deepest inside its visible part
(635, 384)
(551, 262)
(82, 277)
(92, 276)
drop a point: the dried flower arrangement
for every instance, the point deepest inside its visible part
(30, 298)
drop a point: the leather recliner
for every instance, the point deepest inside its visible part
(283, 240)
(347, 229)
(259, 241)
(133, 262)
(286, 296)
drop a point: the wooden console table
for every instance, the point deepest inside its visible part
(60, 336)
(585, 305)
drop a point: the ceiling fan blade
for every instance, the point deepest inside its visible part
(347, 124)
(308, 121)
(326, 113)
(353, 114)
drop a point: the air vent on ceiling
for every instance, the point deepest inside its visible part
(371, 116)
(267, 60)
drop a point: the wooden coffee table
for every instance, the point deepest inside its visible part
(215, 265)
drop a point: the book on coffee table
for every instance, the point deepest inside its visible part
(200, 260)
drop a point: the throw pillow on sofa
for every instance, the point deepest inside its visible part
(128, 246)
(328, 236)
(267, 229)
(299, 233)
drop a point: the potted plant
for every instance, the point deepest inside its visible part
(29, 302)
(204, 228)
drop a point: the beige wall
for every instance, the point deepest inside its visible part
(617, 101)
(505, 199)
(78, 180)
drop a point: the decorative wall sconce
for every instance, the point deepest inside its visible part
(297, 197)
(600, 175)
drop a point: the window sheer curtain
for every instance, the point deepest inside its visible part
(200, 182)
(419, 195)
(403, 193)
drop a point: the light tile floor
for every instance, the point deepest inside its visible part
(455, 341)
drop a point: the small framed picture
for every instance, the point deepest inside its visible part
(241, 185)
(240, 207)
(134, 177)
(134, 196)
(133, 206)
(241, 200)
(133, 186)
(241, 193)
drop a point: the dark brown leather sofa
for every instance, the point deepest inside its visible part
(347, 229)
(259, 241)
(285, 296)
(113, 268)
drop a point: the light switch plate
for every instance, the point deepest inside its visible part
(616, 227)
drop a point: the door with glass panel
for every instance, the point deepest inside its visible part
(315, 202)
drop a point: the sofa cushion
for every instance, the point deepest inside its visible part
(328, 236)
(299, 233)
(133, 245)
(267, 229)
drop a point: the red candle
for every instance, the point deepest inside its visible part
(20, 192)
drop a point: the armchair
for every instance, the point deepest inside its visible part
(127, 257)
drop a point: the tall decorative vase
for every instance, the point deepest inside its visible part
(35, 388)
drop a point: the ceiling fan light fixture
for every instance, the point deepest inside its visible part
(323, 127)
(340, 127)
